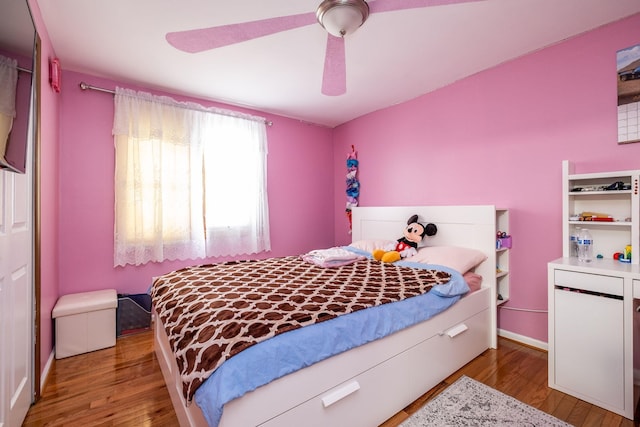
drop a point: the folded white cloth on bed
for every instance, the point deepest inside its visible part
(331, 257)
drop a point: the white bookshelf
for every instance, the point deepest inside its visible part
(502, 258)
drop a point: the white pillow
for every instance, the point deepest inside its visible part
(458, 258)
(369, 245)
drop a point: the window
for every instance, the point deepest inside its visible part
(189, 182)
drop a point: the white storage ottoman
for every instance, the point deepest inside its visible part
(85, 322)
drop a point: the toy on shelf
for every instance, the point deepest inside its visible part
(623, 256)
(503, 240)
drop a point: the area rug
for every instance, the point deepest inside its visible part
(468, 402)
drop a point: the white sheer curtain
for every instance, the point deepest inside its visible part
(189, 182)
(236, 214)
(8, 83)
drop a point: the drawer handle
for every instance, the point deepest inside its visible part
(340, 394)
(457, 330)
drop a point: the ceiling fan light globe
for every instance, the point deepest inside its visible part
(341, 20)
(342, 17)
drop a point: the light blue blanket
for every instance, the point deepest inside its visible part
(286, 353)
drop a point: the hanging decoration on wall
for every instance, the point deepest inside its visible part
(54, 74)
(353, 186)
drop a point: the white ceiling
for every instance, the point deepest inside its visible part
(393, 57)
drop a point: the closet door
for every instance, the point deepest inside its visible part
(16, 298)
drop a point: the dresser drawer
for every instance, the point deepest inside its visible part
(589, 282)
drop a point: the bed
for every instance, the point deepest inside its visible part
(366, 385)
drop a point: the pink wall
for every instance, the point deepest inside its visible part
(299, 190)
(49, 131)
(499, 137)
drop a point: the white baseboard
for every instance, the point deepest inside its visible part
(45, 371)
(524, 339)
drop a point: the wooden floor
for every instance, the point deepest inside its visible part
(118, 386)
(123, 386)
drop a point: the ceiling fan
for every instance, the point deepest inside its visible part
(339, 17)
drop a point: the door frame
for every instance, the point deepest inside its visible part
(37, 374)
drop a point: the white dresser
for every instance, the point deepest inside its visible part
(591, 305)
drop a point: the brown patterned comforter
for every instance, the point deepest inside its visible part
(212, 312)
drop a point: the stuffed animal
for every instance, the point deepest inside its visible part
(406, 246)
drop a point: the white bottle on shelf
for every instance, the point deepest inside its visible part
(585, 246)
(573, 243)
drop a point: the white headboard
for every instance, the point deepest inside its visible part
(466, 226)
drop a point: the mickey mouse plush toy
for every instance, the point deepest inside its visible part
(406, 246)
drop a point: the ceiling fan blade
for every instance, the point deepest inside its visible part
(198, 40)
(389, 5)
(334, 79)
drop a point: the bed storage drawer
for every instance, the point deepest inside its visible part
(314, 381)
(365, 398)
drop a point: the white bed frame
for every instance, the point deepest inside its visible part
(368, 384)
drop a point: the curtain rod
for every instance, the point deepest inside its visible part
(86, 86)
(24, 70)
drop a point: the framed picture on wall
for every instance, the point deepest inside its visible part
(628, 67)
